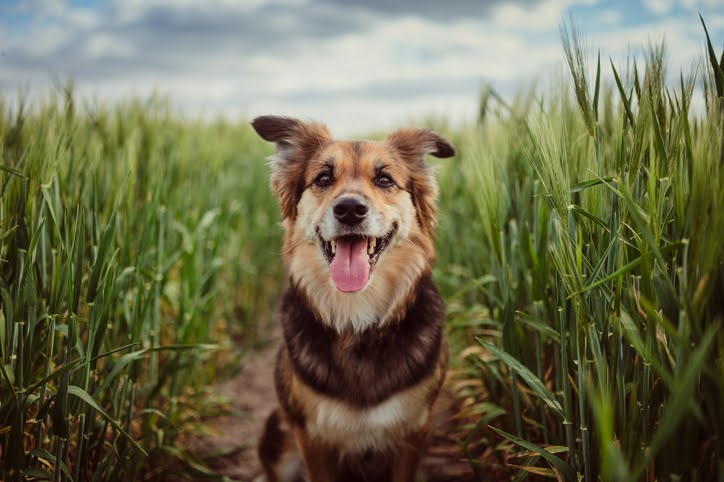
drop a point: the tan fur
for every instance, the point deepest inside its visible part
(327, 427)
(353, 430)
(411, 254)
(333, 427)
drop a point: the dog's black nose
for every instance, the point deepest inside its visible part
(350, 210)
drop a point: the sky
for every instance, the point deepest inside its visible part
(356, 65)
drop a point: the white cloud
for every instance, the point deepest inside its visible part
(101, 45)
(660, 7)
(357, 72)
(42, 7)
(683, 39)
(610, 17)
(544, 16)
(83, 18)
(715, 23)
(44, 40)
(696, 4)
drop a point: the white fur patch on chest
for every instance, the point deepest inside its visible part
(358, 430)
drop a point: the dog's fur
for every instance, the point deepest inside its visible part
(358, 372)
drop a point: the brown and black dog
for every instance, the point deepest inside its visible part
(364, 353)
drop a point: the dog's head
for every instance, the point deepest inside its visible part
(359, 215)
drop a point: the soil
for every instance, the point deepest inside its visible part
(229, 448)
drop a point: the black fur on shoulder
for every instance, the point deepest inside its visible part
(363, 369)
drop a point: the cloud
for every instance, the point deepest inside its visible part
(697, 4)
(41, 7)
(165, 38)
(162, 39)
(390, 90)
(433, 10)
(540, 17)
(659, 7)
(360, 64)
(610, 17)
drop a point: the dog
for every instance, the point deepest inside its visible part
(364, 353)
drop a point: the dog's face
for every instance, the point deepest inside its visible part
(359, 216)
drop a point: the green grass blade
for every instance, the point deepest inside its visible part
(47, 196)
(78, 254)
(13, 171)
(716, 67)
(103, 247)
(88, 399)
(563, 468)
(43, 454)
(3, 335)
(597, 88)
(578, 187)
(682, 396)
(624, 97)
(35, 473)
(615, 275)
(582, 212)
(55, 374)
(634, 337)
(539, 326)
(529, 377)
(658, 137)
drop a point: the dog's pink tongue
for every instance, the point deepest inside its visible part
(350, 267)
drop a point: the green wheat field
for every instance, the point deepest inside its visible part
(580, 253)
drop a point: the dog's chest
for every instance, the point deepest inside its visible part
(365, 370)
(357, 430)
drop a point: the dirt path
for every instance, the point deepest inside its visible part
(230, 448)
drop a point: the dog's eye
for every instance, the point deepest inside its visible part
(324, 180)
(384, 180)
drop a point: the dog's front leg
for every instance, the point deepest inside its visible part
(319, 458)
(408, 456)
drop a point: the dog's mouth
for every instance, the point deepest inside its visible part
(351, 258)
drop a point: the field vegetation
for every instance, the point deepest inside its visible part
(580, 252)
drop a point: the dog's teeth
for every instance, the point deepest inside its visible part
(371, 246)
(334, 246)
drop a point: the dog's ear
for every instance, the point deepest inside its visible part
(412, 144)
(296, 143)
